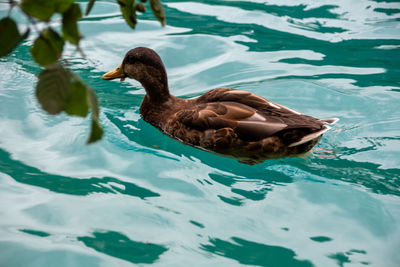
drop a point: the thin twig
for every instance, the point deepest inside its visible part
(33, 22)
(79, 49)
(12, 4)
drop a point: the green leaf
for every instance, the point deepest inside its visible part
(41, 9)
(141, 7)
(44, 9)
(128, 11)
(77, 102)
(158, 11)
(48, 47)
(53, 88)
(96, 131)
(93, 103)
(9, 36)
(70, 24)
(62, 5)
(89, 7)
(60, 90)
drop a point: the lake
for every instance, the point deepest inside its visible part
(138, 197)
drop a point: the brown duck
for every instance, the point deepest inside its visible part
(226, 121)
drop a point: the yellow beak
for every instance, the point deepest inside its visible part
(114, 74)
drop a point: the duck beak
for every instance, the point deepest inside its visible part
(114, 74)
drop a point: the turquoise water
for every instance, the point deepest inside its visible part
(139, 197)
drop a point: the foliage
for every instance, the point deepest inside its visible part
(58, 89)
(9, 36)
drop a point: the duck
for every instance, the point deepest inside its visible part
(226, 121)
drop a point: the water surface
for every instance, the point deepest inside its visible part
(139, 197)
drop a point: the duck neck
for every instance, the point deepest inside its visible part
(157, 89)
(155, 82)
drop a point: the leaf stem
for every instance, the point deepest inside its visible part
(79, 49)
(12, 4)
(32, 22)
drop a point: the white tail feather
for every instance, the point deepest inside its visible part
(330, 120)
(310, 137)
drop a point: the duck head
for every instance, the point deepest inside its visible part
(144, 65)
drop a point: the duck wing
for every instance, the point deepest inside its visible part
(246, 98)
(247, 122)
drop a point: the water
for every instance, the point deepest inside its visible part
(138, 197)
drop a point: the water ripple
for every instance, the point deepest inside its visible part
(140, 197)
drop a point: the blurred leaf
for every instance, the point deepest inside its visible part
(93, 103)
(96, 131)
(53, 88)
(9, 36)
(77, 102)
(48, 47)
(70, 24)
(60, 90)
(62, 5)
(41, 9)
(89, 7)
(44, 9)
(141, 7)
(128, 12)
(158, 11)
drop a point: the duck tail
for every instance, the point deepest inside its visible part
(310, 136)
(329, 121)
(315, 135)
